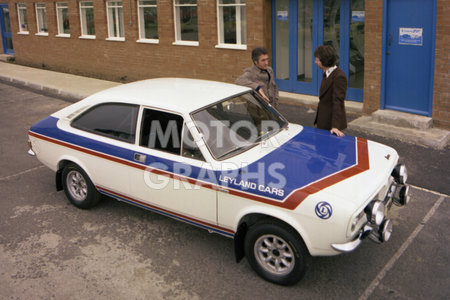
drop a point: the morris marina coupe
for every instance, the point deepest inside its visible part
(217, 156)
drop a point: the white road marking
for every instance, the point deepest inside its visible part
(374, 284)
(20, 173)
(427, 190)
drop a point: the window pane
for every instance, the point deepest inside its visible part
(332, 25)
(117, 121)
(229, 24)
(235, 124)
(6, 19)
(356, 59)
(115, 19)
(23, 22)
(305, 48)
(63, 18)
(243, 26)
(150, 22)
(161, 131)
(282, 40)
(188, 23)
(41, 17)
(87, 18)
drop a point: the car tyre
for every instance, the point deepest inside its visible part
(78, 188)
(276, 252)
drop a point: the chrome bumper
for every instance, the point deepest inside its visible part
(398, 194)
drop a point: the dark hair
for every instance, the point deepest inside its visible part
(326, 55)
(257, 52)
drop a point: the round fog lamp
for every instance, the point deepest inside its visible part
(386, 230)
(403, 174)
(404, 195)
(377, 213)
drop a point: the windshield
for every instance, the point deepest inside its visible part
(237, 124)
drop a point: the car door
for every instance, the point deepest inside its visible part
(99, 140)
(170, 181)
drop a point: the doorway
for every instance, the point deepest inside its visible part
(300, 26)
(5, 26)
(409, 34)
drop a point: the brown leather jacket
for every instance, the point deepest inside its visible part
(331, 108)
(254, 77)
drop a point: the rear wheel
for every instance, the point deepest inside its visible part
(276, 252)
(78, 188)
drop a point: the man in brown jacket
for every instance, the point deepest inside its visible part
(331, 109)
(260, 76)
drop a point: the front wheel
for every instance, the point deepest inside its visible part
(276, 252)
(78, 188)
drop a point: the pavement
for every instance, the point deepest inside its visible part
(404, 127)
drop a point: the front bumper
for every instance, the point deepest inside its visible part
(379, 228)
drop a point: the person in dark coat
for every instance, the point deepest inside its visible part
(331, 109)
(260, 76)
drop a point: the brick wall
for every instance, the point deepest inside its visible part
(441, 89)
(372, 55)
(129, 60)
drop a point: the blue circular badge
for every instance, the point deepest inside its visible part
(324, 210)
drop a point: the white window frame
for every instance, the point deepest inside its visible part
(83, 23)
(220, 27)
(141, 21)
(41, 7)
(177, 25)
(117, 6)
(59, 18)
(22, 7)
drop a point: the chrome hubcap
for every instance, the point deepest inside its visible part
(76, 185)
(274, 254)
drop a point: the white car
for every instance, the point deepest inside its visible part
(217, 156)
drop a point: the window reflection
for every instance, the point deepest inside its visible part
(356, 59)
(282, 40)
(332, 25)
(305, 48)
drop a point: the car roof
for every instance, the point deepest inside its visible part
(176, 94)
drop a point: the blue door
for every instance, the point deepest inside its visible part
(300, 26)
(6, 29)
(408, 47)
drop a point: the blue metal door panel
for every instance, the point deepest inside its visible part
(5, 26)
(409, 55)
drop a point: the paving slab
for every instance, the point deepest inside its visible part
(432, 137)
(55, 83)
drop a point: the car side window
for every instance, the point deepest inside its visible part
(161, 131)
(114, 120)
(190, 148)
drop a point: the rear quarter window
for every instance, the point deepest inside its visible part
(113, 120)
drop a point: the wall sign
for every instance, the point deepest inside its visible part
(282, 15)
(411, 36)
(358, 16)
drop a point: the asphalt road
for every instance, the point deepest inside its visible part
(50, 249)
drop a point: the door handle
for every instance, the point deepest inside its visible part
(389, 43)
(139, 157)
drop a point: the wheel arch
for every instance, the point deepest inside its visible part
(249, 219)
(64, 161)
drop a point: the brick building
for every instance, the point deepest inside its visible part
(395, 54)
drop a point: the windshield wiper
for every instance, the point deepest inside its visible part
(245, 147)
